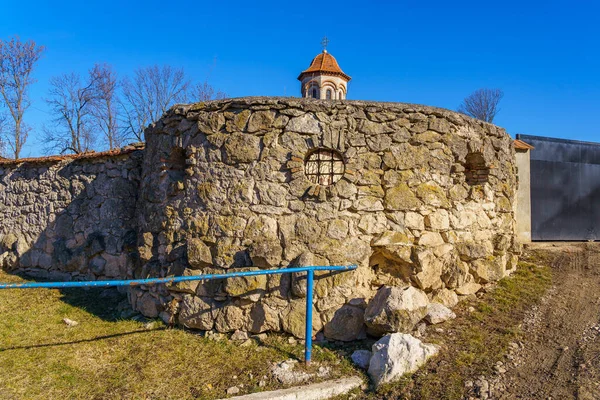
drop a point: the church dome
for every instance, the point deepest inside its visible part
(324, 63)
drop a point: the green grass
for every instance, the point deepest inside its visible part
(105, 357)
(474, 341)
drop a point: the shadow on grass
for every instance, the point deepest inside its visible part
(95, 339)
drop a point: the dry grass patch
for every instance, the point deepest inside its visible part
(474, 341)
(105, 357)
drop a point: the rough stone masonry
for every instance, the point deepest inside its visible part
(420, 198)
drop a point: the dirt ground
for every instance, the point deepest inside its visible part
(559, 357)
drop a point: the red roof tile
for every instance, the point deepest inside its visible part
(83, 156)
(521, 145)
(326, 64)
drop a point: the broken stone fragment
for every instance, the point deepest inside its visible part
(198, 254)
(346, 324)
(395, 309)
(438, 313)
(397, 354)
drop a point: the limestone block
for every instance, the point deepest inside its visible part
(306, 123)
(264, 318)
(196, 313)
(468, 289)
(438, 220)
(397, 354)
(148, 305)
(294, 318)
(346, 324)
(429, 267)
(198, 254)
(414, 220)
(400, 197)
(246, 286)
(438, 313)
(395, 309)
(265, 253)
(446, 297)
(229, 317)
(240, 148)
(431, 239)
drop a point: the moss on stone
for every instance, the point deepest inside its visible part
(400, 197)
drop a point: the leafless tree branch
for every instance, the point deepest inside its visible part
(482, 104)
(17, 60)
(205, 92)
(150, 93)
(71, 103)
(103, 106)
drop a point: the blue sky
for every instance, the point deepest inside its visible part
(544, 55)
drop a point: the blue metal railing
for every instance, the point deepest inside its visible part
(310, 274)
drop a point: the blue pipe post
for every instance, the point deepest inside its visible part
(309, 305)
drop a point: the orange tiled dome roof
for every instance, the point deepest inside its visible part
(326, 64)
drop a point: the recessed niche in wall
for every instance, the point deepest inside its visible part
(324, 166)
(476, 170)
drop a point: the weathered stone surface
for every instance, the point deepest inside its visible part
(224, 185)
(429, 270)
(438, 313)
(446, 297)
(397, 354)
(468, 288)
(293, 320)
(196, 313)
(265, 253)
(346, 324)
(395, 310)
(306, 123)
(242, 148)
(198, 254)
(401, 197)
(361, 358)
(247, 286)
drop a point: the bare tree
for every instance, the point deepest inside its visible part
(17, 60)
(205, 92)
(104, 102)
(2, 143)
(482, 104)
(149, 94)
(71, 103)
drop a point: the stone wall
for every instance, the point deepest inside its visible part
(423, 200)
(70, 217)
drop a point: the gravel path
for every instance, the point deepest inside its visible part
(559, 357)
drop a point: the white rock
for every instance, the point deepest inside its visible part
(397, 354)
(468, 288)
(361, 358)
(233, 390)
(239, 335)
(438, 313)
(446, 297)
(70, 322)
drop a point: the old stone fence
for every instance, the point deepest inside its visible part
(420, 198)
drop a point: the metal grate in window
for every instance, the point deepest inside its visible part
(324, 167)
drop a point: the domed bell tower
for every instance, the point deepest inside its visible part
(324, 79)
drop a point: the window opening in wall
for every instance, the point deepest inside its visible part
(328, 95)
(324, 166)
(315, 93)
(476, 170)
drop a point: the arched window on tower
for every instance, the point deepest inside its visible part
(328, 94)
(315, 93)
